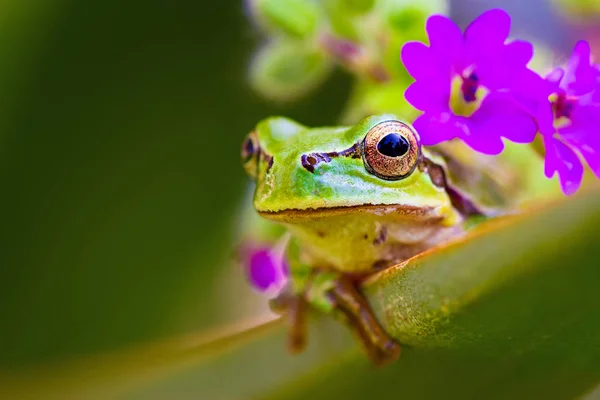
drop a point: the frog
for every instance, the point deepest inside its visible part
(355, 200)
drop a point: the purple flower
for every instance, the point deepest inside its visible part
(569, 119)
(465, 83)
(265, 270)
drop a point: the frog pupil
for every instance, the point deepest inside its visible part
(393, 145)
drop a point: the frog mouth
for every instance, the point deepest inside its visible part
(399, 211)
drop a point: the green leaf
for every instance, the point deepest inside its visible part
(510, 311)
(120, 171)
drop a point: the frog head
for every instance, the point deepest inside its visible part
(376, 165)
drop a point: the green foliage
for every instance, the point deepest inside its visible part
(121, 125)
(362, 36)
(119, 162)
(107, 229)
(484, 316)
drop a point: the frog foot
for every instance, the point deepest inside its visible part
(338, 296)
(352, 306)
(294, 307)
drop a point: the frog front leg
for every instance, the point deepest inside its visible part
(335, 294)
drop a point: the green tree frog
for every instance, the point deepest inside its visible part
(355, 199)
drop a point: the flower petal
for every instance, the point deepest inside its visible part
(532, 94)
(480, 139)
(580, 75)
(445, 38)
(596, 90)
(421, 62)
(506, 66)
(434, 128)
(591, 154)
(490, 28)
(582, 135)
(519, 52)
(555, 76)
(501, 116)
(429, 96)
(563, 160)
(545, 118)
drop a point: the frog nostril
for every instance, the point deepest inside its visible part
(309, 161)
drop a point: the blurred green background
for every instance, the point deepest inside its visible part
(120, 126)
(121, 123)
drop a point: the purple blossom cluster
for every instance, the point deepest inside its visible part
(475, 86)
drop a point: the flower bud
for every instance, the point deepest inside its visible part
(285, 70)
(298, 18)
(357, 6)
(582, 10)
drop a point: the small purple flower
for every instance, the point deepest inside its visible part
(265, 270)
(569, 119)
(465, 83)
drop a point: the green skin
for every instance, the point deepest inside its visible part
(345, 221)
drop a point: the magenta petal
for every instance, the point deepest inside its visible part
(419, 61)
(551, 159)
(582, 135)
(505, 68)
(545, 119)
(587, 119)
(591, 154)
(532, 95)
(592, 158)
(519, 52)
(555, 76)
(563, 160)
(490, 28)
(480, 139)
(583, 129)
(434, 128)
(580, 76)
(501, 116)
(427, 97)
(445, 38)
(596, 95)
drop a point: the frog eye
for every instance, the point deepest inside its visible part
(391, 150)
(250, 154)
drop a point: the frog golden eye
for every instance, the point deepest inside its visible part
(391, 150)
(250, 154)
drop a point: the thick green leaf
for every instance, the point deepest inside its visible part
(510, 311)
(119, 161)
